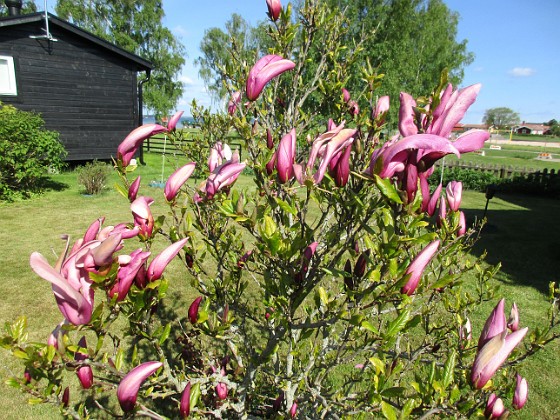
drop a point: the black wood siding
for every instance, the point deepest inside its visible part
(83, 91)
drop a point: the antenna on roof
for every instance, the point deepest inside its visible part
(46, 29)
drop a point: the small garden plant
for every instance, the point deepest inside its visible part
(333, 288)
(93, 176)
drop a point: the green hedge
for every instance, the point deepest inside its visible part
(27, 153)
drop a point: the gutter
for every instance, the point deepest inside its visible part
(141, 108)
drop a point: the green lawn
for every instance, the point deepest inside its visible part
(522, 233)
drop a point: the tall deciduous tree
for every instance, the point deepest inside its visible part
(500, 117)
(411, 42)
(28, 6)
(137, 27)
(217, 47)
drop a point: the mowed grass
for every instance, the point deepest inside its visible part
(522, 233)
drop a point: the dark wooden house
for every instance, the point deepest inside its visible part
(84, 87)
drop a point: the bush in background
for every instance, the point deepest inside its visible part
(472, 180)
(93, 176)
(27, 152)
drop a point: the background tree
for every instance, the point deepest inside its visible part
(135, 26)
(28, 7)
(500, 117)
(554, 127)
(409, 41)
(217, 60)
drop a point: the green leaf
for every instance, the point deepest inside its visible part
(397, 324)
(388, 189)
(165, 333)
(285, 206)
(323, 296)
(449, 368)
(395, 391)
(388, 411)
(369, 326)
(13, 382)
(34, 401)
(378, 364)
(195, 395)
(119, 359)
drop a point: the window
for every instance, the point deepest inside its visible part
(7, 76)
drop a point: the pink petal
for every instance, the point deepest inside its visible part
(127, 391)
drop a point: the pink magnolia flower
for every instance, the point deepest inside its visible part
(442, 213)
(71, 288)
(219, 153)
(177, 179)
(331, 148)
(56, 337)
(285, 156)
(193, 310)
(494, 346)
(462, 224)
(127, 149)
(185, 406)
(465, 331)
(129, 266)
(381, 107)
(417, 266)
(93, 230)
(353, 107)
(234, 102)
(345, 95)
(143, 217)
(513, 321)
(221, 391)
(274, 9)
(494, 407)
(471, 140)
(423, 149)
(521, 392)
(84, 372)
(264, 70)
(452, 108)
(293, 410)
(223, 176)
(133, 189)
(342, 168)
(127, 391)
(429, 203)
(495, 324)
(158, 264)
(454, 193)
(172, 124)
(65, 397)
(407, 126)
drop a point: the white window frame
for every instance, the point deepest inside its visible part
(12, 90)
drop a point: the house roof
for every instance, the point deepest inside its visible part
(10, 21)
(532, 127)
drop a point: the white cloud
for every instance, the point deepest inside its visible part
(521, 72)
(180, 31)
(186, 80)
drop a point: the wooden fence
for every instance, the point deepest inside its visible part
(157, 145)
(543, 176)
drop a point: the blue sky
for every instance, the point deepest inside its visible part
(515, 42)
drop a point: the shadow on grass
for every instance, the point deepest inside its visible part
(49, 184)
(525, 239)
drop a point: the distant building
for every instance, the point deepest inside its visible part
(461, 128)
(530, 128)
(83, 86)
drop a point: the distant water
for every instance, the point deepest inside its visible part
(185, 120)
